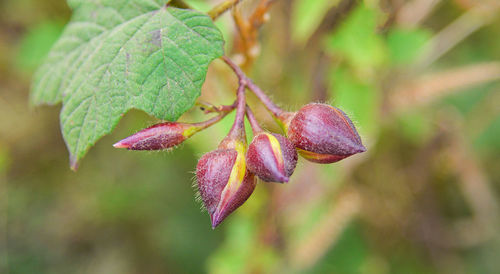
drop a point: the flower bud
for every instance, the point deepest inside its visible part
(168, 134)
(324, 134)
(157, 137)
(272, 157)
(224, 181)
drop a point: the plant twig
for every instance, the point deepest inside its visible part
(241, 41)
(210, 108)
(456, 32)
(474, 183)
(428, 88)
(253, 121)
(249, 31)
(238, 129)
(270, 105)
(220, 9)
(179, 4)
(413, 12)
(342, 212)
(205, 124)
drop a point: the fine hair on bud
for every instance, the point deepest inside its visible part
(272, 157)
(224, 183)
(157, 137)
(324, 134)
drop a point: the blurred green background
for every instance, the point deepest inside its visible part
(420, 79)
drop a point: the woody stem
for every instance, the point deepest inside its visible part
(205, 124)
(209, 108)
(253, 121)
(238, 129)
(221, 8)
(270, 105)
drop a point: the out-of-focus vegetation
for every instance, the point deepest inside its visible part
(420, 78)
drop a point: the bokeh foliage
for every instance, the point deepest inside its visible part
(423, 199)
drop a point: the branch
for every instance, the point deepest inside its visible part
(429, 88)
(342, 211)
(456, 32)
(238, 129)
(414, 12)
(179, 4)
(253, 121)
(220, 9)
(270, 105)
(209, 108)
(205, 124)
(249, 31)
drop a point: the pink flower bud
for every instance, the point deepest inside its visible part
(157, 137)
(272, 157)
(324, 134)
(224, 181)
(168, 134)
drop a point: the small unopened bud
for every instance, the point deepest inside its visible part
(224, 181)
(272, 157)
(167, 135)
(157, 137)
(324, 134)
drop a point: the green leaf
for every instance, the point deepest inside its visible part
(116, 55)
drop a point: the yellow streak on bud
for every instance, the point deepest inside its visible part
(276, 147)
(319, 158)
(284, 121)
(190, 131)
(239, 168)
(280, 123)
(311, 155)
(237, 174)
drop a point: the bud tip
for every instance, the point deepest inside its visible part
(282, 178)
(216, 220)
(121, 144)
(214, 224)
(362, 148)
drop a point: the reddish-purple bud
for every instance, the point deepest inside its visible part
(157, 137)
(224, 181)
(167, 135)
(324, 134)
(272, 157)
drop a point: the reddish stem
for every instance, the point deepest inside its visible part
(238, 129)
(210, 122)
(226, 108)
(270, 105)
(253, 121)
(209, 108)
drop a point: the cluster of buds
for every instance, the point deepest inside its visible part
(227, 176)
